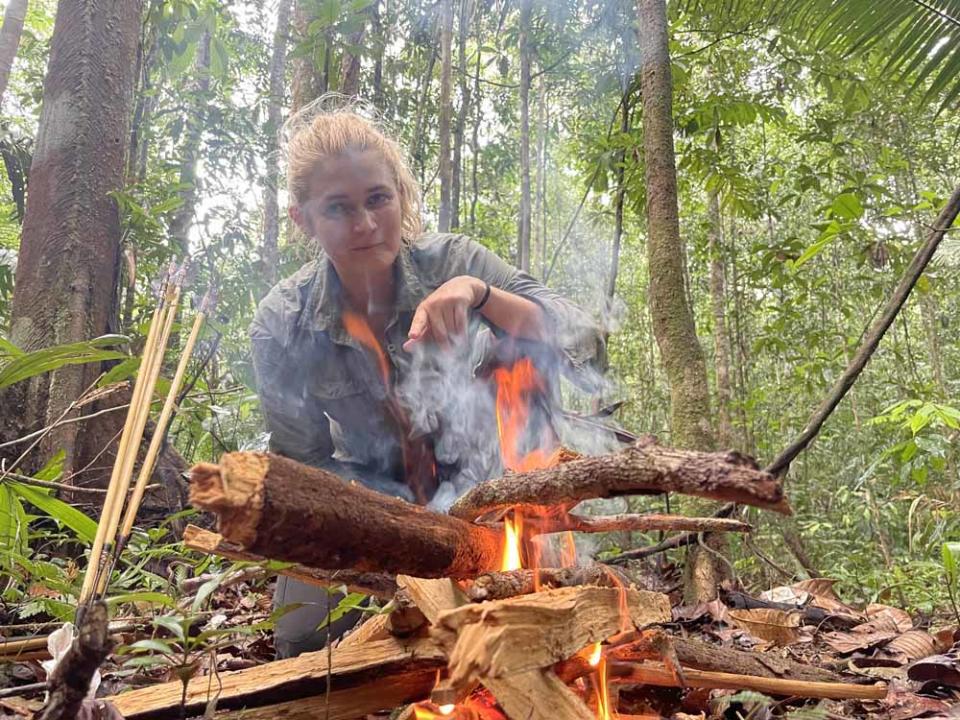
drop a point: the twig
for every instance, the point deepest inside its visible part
(18, 690)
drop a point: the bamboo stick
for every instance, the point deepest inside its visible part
(146, 470)
(96, 551)
(143, 413)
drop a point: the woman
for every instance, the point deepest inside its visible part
(335, 344)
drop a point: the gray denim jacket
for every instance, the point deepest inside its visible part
(321, 392)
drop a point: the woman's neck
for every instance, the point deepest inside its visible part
(369, 292)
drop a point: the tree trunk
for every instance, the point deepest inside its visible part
(13, 18)
(190, 154)
(475, 137)
(718, 302)
(306, 79)
(350, 63)
(271, 204)
(379, 44)
(417, 151)
(621, 195)
(68, 266)
(446, 114)
(460, 126)
(673, 321)
(539, 229)
(525, 61)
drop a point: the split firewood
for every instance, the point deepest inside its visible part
(504, 637)
(381, 585)
(629, 522)
(353, 666)
(405, 618)
(510, 583)
(533, 695)
(281, 509)
(348, 703)
(656, 674)
(657, 645)
(642, 468)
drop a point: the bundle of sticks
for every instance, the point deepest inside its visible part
(457, 625)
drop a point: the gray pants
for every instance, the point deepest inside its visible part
(305, 629)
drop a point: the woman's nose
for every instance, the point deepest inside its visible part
(365, 220)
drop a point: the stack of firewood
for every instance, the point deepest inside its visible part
(457, 625)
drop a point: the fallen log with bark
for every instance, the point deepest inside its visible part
(643, 468)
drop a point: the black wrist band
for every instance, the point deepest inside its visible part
(486, 296)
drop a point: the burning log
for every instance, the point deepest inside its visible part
(379, 584)
(276, 507)
(499, 639)
(510, 583)
(354, 672)
(644, 467)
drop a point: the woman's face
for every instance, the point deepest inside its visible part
(353, 210)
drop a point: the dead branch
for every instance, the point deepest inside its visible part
(510, 583)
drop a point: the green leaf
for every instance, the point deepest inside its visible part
(28, 365)
(205, 591)
(120, 372)
(353, 601)
(950, 551)
(811, 252)
(172, 623)
(847, 206)
(84, 527)
(8, 349)
(52, 471)
(153, 644)
(219, 58)
(145, 596)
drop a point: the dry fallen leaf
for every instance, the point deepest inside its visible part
(779, 627)
(848, 642)
(823, 596)
(910, 646)
(942, 669)
(903, 704)
(881, 617)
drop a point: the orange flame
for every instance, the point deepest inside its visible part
(514, 387)
(358, 328)
(513, 531)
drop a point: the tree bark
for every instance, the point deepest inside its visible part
(475, 136)
(718, 303)
(523, 255)
(68, 266)
(307, 85)
(350, 63)
(446, 113)
(621, 196)
(639, 469)
(673, 322)
(190, 153)
(461, 123)
(10, 33)
(271, 204)
(282, 510)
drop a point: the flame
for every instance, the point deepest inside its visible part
(513, 531)
(358, 328)
(603, 694)
(595, 655)
(514, 387)
(568, 550)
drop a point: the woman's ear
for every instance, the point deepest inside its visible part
(296, 214)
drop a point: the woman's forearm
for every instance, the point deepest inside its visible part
(516, 315)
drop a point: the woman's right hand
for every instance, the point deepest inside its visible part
(442, 316)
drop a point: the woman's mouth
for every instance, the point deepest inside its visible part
(363, 248)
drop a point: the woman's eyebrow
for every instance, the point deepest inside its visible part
(377, 188)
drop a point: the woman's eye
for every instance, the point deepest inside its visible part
(335, 210)
(378, 199)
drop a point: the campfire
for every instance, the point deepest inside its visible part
(491, 614)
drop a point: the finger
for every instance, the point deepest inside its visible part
(438, 328)
(419, 328)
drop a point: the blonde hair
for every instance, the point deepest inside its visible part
(332, 124)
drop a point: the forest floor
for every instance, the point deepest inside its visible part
(919, 657)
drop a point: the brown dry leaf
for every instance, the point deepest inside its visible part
(36, 589)
(777, 626)
(902, 704)
(946, 638)
(942, 669)
(823, 596)
(848, 642)
(884, 613)
(910, 646)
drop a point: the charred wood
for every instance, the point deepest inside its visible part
(510, 583)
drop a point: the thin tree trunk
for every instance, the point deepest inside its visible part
(271, 204)
(618, 207)
(539, 195)
(673, 321)
(475, 137)
(378, 43)
(350, 63)
(68, 266)
(190, 154)
(418, 153)
(446, 113)
(718, 303)
(461, 123)
(306, 85)
(10, 33)
(525, 62)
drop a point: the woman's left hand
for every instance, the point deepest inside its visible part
(442, 316)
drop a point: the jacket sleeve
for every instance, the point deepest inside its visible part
(573, 331)
(298, 427)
